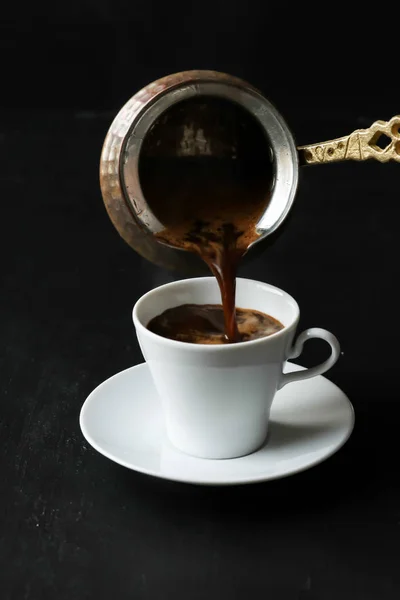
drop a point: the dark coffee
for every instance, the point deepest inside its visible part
(204, 324)
(209, 203)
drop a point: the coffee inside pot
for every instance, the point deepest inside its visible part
(205, 165)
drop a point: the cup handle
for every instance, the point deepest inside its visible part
(308, 334)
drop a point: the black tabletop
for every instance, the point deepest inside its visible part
(77, 526)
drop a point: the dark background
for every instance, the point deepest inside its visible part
(74, 525)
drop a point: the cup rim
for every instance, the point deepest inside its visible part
(211, 347)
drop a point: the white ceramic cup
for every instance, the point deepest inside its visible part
(217, 399)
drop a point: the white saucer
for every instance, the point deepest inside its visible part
(122, 419)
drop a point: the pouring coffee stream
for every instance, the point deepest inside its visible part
(200, 163)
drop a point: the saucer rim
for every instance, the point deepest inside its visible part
(204, 482)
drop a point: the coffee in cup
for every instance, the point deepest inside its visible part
(204, 324)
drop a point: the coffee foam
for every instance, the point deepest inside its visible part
(204, 324)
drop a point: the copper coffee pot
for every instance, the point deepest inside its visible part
(146, 116)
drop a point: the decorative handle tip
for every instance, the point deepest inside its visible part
(381, 142)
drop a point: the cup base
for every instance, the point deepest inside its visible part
(222, 453)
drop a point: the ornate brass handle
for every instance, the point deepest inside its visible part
(362, 144)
